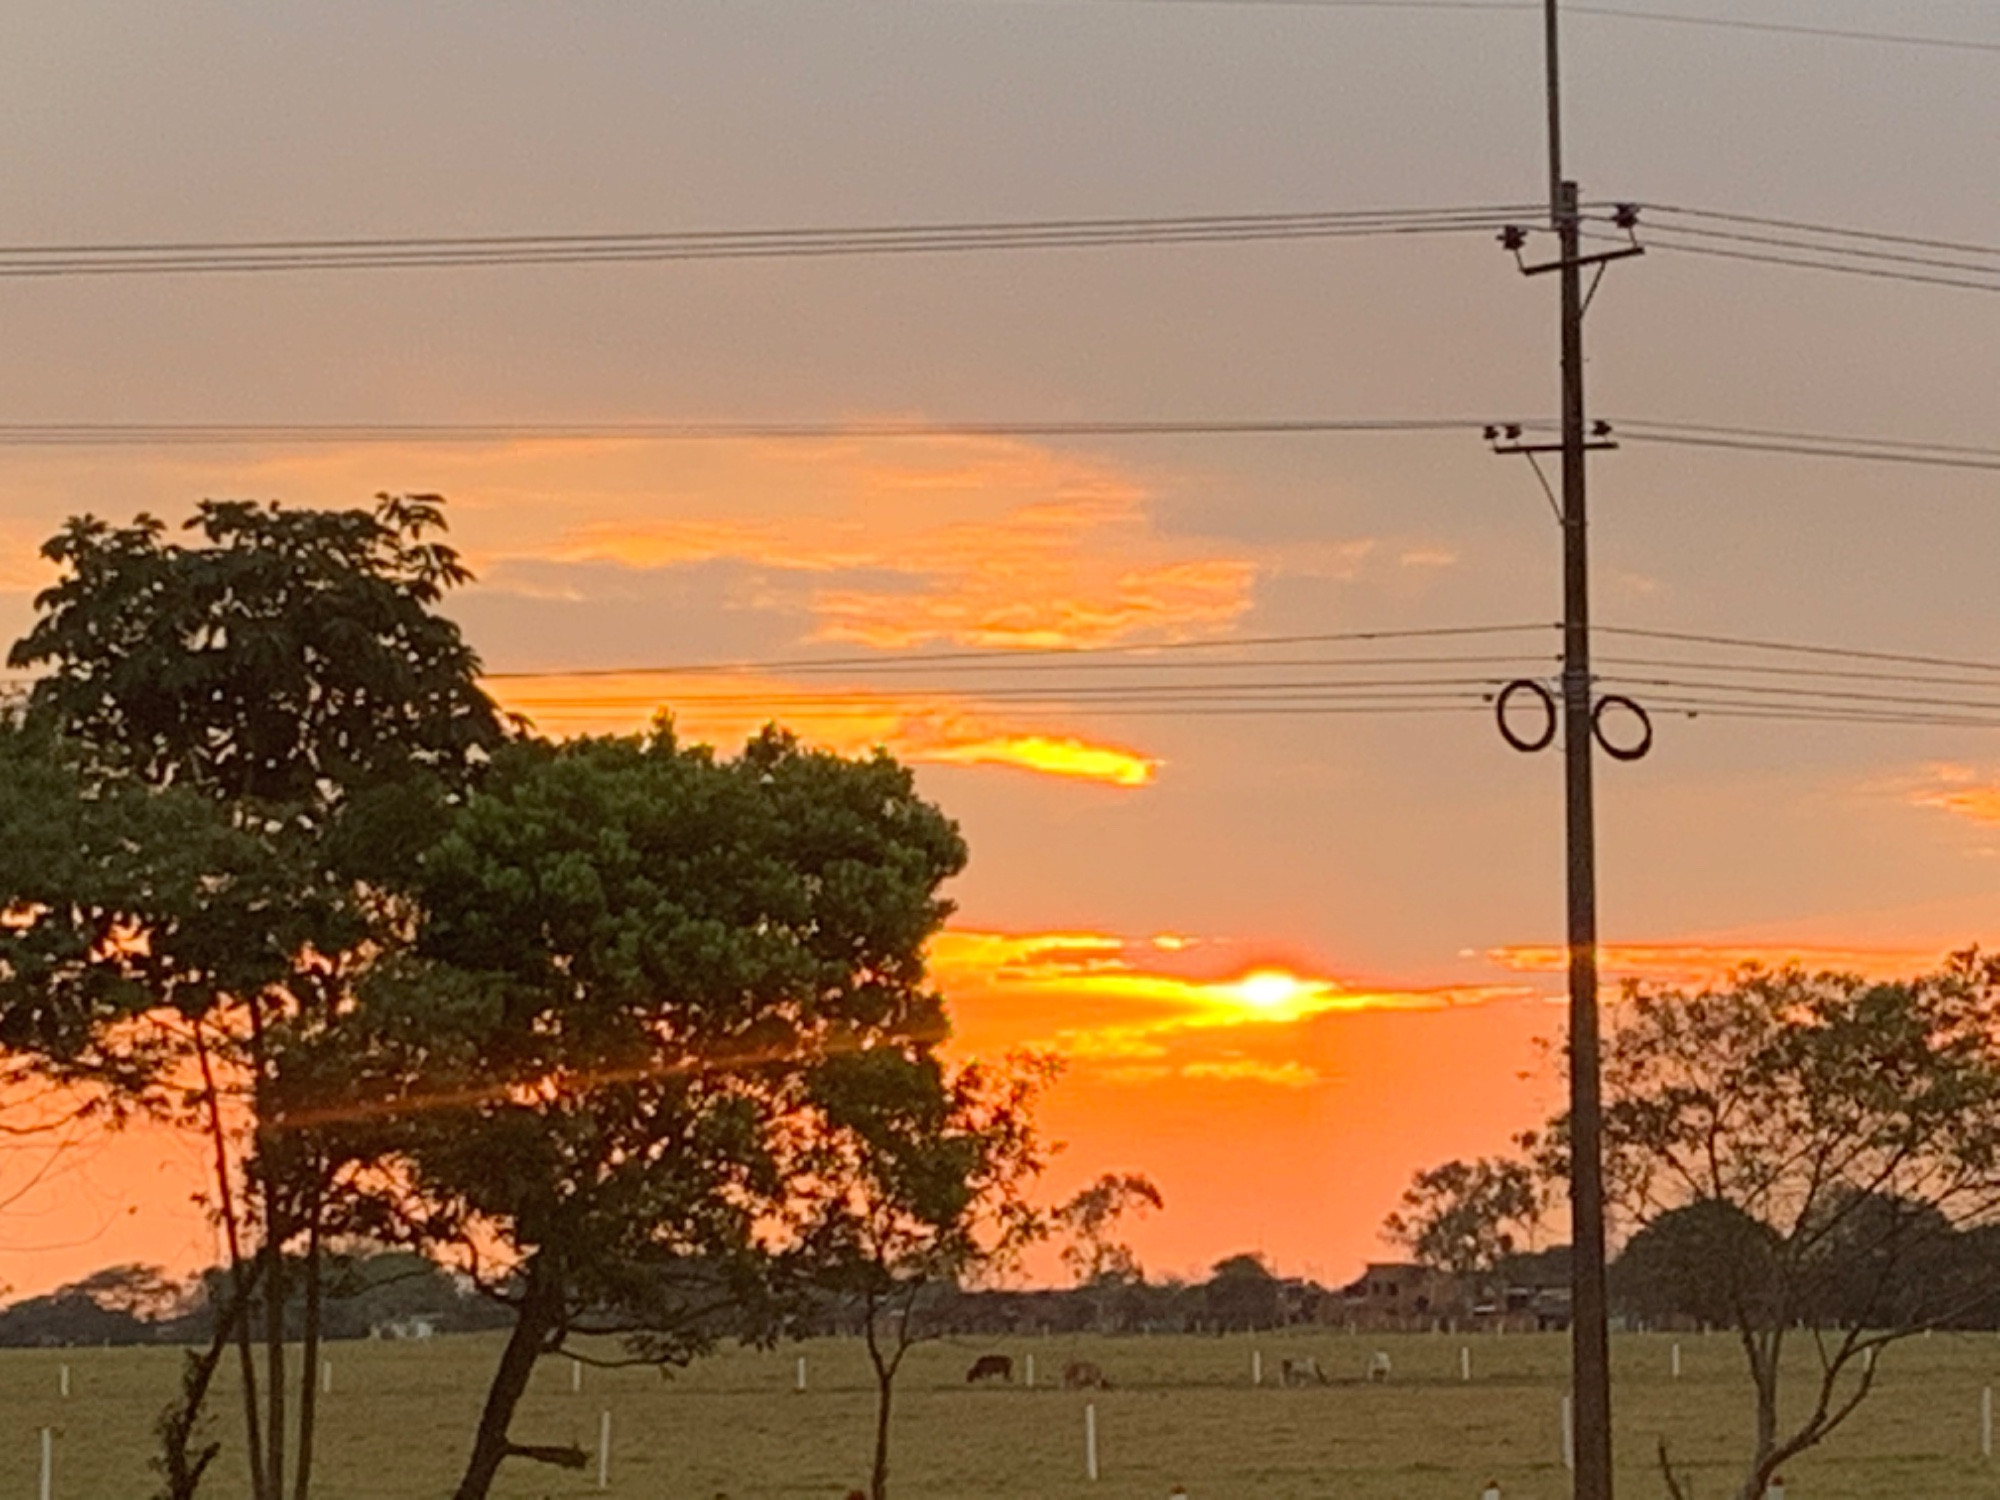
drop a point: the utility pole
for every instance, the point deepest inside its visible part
(1590, 1335)
(1578, 716)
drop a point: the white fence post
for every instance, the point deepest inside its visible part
(1986, 1422)
(1569, 1433)
(1675, 1360)
(48, 1487)
(1464, 1362)
(1031, 1372)
(604, 1451)
(1090, 1439)
(802, 1372)
(1492, 1490)
(62, 1381)
(326, 1377)
(575, 1376)
(1256, 1366)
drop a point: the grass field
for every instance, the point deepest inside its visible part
(398, 1421)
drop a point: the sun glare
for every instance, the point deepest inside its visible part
(1272, 990)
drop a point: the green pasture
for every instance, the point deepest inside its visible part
(1182, 1410)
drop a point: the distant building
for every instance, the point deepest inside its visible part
(1393, 1297)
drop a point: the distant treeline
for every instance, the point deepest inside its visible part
(384, 1294)
(1678, 1271)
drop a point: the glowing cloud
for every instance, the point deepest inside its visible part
(1128, 1006)
(1961, 791)
(920, 728)
(1284, 1075)
(1052, 757)
(1043, 548)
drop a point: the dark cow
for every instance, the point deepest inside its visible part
(990, 1367)
(1081, 1374)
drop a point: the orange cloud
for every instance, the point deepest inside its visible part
(1961, 791)
(1128, 1006)
(1052, 757)
(1042, 548)
(1691, 965)
(1284, 1075)
(921, 728)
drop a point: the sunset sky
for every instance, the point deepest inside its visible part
(1290, 958)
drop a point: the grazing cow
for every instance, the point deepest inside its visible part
(990, 1367)
(1081, 1374)
(1302, 1372)
(1378, 1366)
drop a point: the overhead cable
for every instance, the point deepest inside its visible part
(457, 251)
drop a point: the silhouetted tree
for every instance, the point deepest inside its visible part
(232, 754)
(1466, 1217)
(1807, 1142)
(1241, 1293)
(917, 1182)
(635, 967)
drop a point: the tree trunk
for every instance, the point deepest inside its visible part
(238, 1279)
(309, 1347)
(182, 1466)
(878, 1478)
(538, 1316)
(1764, 1376)
(273, 1253)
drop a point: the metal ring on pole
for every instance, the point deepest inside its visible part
(1622, 752)
(1527, 746)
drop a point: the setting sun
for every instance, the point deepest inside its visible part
(1270, 991)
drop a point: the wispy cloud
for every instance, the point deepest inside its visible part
(1961, 790)
(975, 541)
(1692, 964)
(724, 709)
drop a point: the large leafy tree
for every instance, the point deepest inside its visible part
(1796, 1151)
(602, 1065)
(234, 749)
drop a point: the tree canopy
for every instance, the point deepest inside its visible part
(234, 750)
(640, 979)
(1797, 1149)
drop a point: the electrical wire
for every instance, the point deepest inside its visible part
(1611, 13)
(1814, 450)
(791, 666)
(434, 252)
(1838, 231)
(174, 434)
(1772, 240)
(1797, 648)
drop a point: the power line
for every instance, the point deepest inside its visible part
(1914, 445)
(1832, 449)
(171, 434)
(1753, 643)
(789, 666)
(435, 252)
(1606, 13)
(1828, 230)
(1629, 429)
